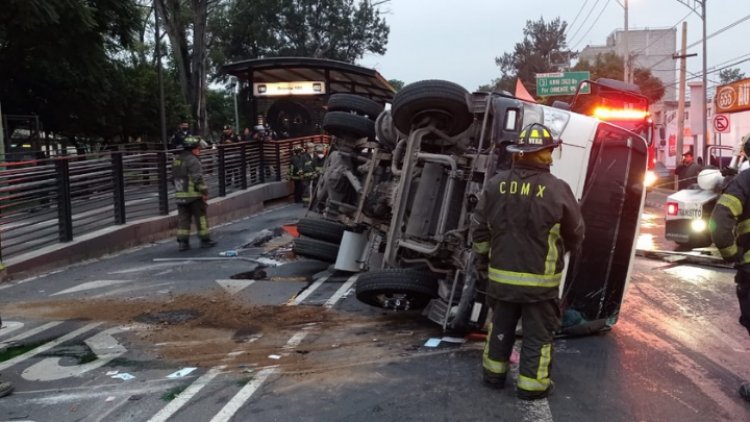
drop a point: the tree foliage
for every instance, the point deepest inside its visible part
(542, 43)
(332, 29)
(55, 59)
(610, 65)
(730, 75)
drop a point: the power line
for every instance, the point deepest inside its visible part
(662, 35)
(583, 22)
(713, 34)
(577, 15)
(583, 37)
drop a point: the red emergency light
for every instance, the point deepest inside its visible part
(671, 208)
(607, 113)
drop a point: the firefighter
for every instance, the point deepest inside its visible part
(729, 231)
(524, 223)
(191, 193)
(296, 172)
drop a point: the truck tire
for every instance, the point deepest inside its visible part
(441, 103)
(316, 228)
(354, 103)
(316, 249)
(348, 126)
(396, 289)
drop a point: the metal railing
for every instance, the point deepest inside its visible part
(44, 202)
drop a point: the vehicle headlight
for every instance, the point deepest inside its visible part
(698, 225)
(650, 178)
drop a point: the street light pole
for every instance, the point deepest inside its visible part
(704, 107)
(705, 82)
(157, 51)
(626, 56)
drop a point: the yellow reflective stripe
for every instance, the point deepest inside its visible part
(745, 258)
(481, 247)
(552, 254)
(544, 361)
(494, 366)
(531, 384)
(731, 202)
(729, 251)
(183, 232)
(524, 279)
(743, 227)
(203, 229)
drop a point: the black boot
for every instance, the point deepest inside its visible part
(207, 243)
(493, 380)
(535, 395)
(184, 245)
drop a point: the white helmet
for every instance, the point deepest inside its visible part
(709, 179)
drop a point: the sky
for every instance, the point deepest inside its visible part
(458, 40)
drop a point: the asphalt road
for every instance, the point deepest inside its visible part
(115, 340)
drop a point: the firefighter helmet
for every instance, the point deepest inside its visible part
(191, 142)
(534, 137)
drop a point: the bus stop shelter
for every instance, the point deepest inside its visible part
(290, 93)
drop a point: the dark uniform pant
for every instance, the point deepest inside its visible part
(540, 320)
(192, 211)
(743, 295)
(300, 188)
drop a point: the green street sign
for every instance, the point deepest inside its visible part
(561, 83)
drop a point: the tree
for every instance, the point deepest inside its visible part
(332, 29)
(186, 24)
(56, 60)
(730, 75)
(610, 65)
(396, 84)
(542, 42)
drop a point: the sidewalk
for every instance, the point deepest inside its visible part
(116, 238)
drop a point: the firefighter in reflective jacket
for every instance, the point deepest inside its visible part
(524, 223)
(730, 232)
(191, 193)
(301, 171)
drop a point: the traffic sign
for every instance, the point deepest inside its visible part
(721, 123)
(561, 83)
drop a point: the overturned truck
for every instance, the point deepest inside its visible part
(399, 187)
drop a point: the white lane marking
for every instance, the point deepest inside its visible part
(27, 334)
(228, 411)
(91, 285)
(341, 292)
(130, 290)
(143, 268)
(234, 286)
(167, 411)
(46, 346)
(10, 326)
(103, 345)
(308, 291)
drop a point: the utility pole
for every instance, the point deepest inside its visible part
(704, 116)
(626, 56)
(681, 97)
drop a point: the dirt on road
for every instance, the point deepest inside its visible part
(218, 329)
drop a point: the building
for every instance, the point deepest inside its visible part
(649, 49)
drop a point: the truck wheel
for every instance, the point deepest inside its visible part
(354, 103)
(316, 228)
(396, 289)
(316, 249)
(348, 126)
(441, 103)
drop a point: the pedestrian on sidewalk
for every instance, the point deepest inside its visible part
(729, 221)
(191, 193)
(525, 222)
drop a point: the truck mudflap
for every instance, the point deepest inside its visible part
(611, 204)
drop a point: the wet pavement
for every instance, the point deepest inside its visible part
(284, 339)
